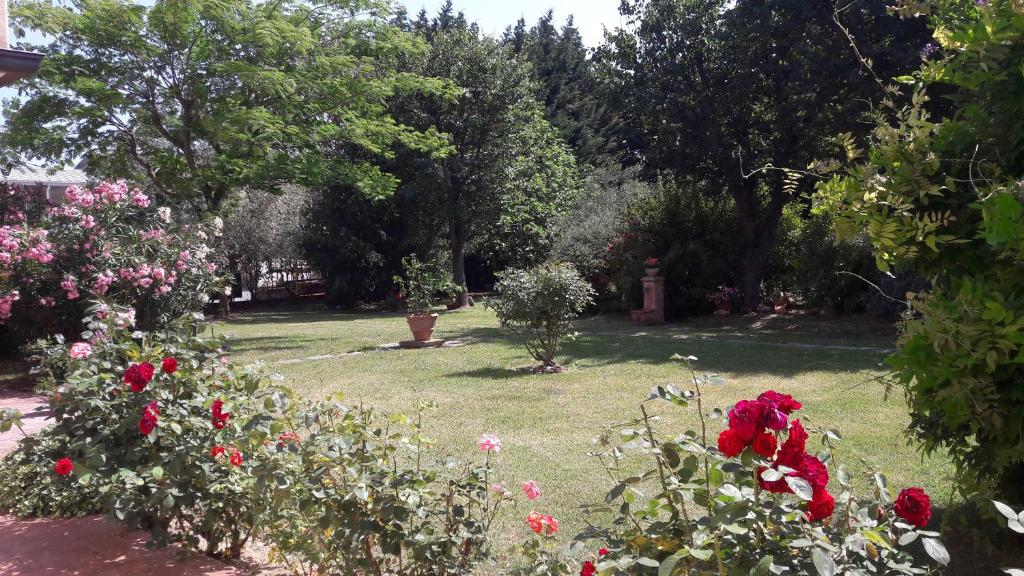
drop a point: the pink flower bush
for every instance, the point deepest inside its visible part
(108, 241)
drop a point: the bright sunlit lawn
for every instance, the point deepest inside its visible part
(547, 422)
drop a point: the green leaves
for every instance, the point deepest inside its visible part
(823, 562)
(936, 550)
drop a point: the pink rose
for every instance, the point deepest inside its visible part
(489, 443)
(80, 350)
(531, 490)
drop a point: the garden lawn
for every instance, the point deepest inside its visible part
(547, 422)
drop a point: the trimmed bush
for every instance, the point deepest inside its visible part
(539, 305)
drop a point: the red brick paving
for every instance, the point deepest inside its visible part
(90, 546)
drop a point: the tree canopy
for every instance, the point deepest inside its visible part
(203, 98)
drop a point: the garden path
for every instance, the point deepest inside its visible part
(90, 546)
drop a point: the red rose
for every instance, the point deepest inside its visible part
(149, 419)
(602, 552)
(813, 470)
(729, 443)
(63, 467)
(218, 417)
(745, 419)
(821, 506)
(217, 450)
(782, 402)
(588, 569)
(236, 458)
(169, 365)
(914, 506)
(792, 451)
(775, 486)
(138, 375)
(765, 444)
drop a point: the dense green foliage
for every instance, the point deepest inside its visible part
(202, 98)
(728, 93)
(539, 305)
(510, 174)
(938, 192)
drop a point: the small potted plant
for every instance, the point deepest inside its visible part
(723, 298)
(652, 266)
(780, 303)
(418, 286)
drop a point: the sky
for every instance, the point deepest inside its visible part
(494, 15)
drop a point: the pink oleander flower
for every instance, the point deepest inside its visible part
(499, 488)
(112, 192)
(164, 213)
(140, 199)
(125, 319)
(101, 285)
(70, 287)
(77, 196)
(489, 443)
(47, 302)
(6, 301)
(80, 350)
(531, 490)
(87, 221)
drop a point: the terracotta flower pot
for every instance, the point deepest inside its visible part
(422, 326)
(781, 305)
(652, 272)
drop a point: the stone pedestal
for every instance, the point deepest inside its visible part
(653, 311)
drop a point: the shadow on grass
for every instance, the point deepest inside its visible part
(740, 358)
(492, 373)
(305, 316)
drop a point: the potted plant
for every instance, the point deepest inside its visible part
(652, 266)
(419, 284)
(780, 303)
(723, 298)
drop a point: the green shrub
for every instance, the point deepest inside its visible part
(539, 305)
(422, 283)
(757, 503)
(940, 195)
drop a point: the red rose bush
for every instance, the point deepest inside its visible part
(159, 430)
(751, 499)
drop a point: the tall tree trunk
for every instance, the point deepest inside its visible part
(760, 233)
(457, 240)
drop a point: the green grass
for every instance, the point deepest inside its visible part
(546, 422)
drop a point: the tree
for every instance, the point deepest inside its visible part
(939, 193)
(508, 174)
(727, 93)
(205, 98)
(574, 99)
